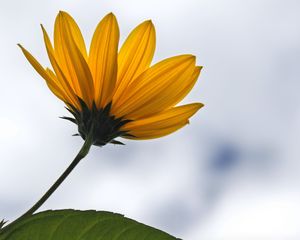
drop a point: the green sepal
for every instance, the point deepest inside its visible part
(73, 120)
(117, 142)
(106, 127)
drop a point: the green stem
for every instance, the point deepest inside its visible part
(82, 153)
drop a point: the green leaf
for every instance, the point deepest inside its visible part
(2, 223)
(80, 225)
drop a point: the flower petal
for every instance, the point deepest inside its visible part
(156, 89)
(188, 85)
(77, 65)
(61, 51)
(135, 55)
(151, 134)
(71, 95)
(103, 59)
(162, 123)
(75, 32)
(54, 87)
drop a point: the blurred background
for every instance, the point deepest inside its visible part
(233, 173)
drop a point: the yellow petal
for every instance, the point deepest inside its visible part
(60, 49)
(103, 59)
(187, 86)
(156, 89)
(150, 134)
(72, 60)
(165, 118)
(35, 64)
(75, 32)
(71, 95)
(162, 123)
(54, 87)
(135, 55)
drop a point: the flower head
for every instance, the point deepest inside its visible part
(117, 94)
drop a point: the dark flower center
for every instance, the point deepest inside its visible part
(102, 126)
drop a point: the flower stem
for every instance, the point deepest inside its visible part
(81, 154)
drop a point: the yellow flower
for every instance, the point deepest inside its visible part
(117, 94)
